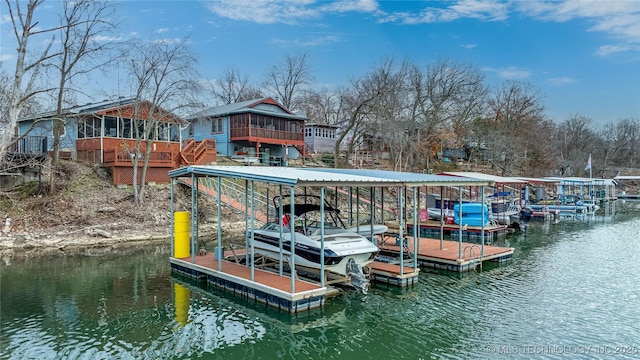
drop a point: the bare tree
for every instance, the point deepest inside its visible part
(81, 22)
(618, 144)
(27, 72)
(447, 95)
(515, 112)
(574, 140)
(232, 87)
(389, 117)
(323, 106)
(164, 81)
(365, 106)
(288, 78)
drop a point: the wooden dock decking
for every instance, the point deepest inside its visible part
(431, 255)
(391, 274)
(267, 287)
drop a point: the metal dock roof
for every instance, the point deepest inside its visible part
(497, 179)
(327, 177)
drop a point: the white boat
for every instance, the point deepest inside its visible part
(341, 245)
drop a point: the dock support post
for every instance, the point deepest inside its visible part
(416, 225)
(372, 211)
(194, 187)
(400, 228)
(322, 220)
(460, 222)
(357, 209)
(281, 223)
(482, 229)
(219, 209)
(173, 223)
(247, 239)
(350, 206)
(253, 226)
(292, 253)
(441, 216)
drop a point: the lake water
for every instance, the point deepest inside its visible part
(571, 289)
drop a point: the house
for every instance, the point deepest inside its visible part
(105, 133)
(260, 130)
(320, 138)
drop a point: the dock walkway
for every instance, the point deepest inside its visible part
(447, 257)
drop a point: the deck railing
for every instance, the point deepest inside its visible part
(118, 157)
(29, 145)
(266, 134)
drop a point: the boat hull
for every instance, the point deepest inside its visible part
(339, 248)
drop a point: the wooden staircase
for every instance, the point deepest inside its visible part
(300, 149)
(197, 153)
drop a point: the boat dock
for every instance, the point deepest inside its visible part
(446, 254)
(277, 281)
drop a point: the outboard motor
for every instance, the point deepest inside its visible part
(358, 280)
(526, 214)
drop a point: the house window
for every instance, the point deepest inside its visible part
(191, 130)
(110, 126)
(80, 129)
(125, 129)
(87, 128)
(217, 126)
(174, 133)
(163, 131)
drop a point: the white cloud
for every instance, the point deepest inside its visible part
(264, 11)
(288, 11)
(606, 50)
(7, 57)
(317, 41)
(618, 19)
(487, 10)
(161, 30)
(510, 73)
(561, 80)
(103, 38)
(167, 41)
(350, 5)
(468, 46)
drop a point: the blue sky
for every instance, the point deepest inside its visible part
(584, 56)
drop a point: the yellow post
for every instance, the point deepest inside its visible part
(182, 298)
(181, 234)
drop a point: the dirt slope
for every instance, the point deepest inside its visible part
(87, 214)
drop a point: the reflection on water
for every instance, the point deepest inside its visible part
(569, 284)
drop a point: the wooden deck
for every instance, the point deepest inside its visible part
(390, 274)
(430, 254)
(267, 287)
(267, 278)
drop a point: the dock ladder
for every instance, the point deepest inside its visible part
(474, 260)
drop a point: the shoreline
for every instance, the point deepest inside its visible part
(21, 248)
(23, 245)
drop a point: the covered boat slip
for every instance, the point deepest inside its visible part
(505, 200)
(287, 180)
(629, 187)
(588, 189)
